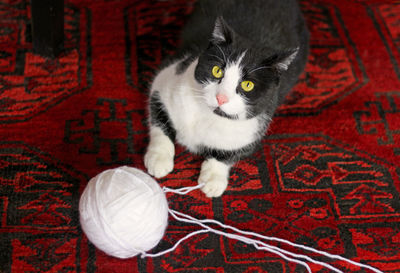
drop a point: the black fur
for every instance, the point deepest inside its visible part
(229, 157)
(159, 117)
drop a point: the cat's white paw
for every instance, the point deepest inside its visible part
(159, 158)
(214, 187)
(158, 164)
(214, 176)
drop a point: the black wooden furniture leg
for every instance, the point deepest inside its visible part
(47, 27)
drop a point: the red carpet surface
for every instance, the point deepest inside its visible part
(327, 175)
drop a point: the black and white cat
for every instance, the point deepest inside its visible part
(217, 96)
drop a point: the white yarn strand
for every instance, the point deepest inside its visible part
(183, 191)
(256, 243)
(151, 255)
(320, 252)
(228, 235)
(236, 237)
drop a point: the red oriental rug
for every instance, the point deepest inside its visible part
(327, 175)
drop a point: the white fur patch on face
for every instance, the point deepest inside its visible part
(236, 105)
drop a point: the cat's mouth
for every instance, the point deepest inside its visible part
(221, 113)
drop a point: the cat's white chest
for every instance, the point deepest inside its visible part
(196, 125)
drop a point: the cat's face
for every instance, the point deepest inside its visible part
(237, 80)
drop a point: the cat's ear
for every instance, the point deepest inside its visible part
(222, 33)
(282, 60)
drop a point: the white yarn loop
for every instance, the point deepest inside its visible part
(124, 212)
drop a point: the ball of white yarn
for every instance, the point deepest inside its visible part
(123, 212)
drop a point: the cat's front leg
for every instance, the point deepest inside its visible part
(159, 158)
(214, 175)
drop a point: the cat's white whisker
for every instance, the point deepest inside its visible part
(223, 54)
(258, 68)
(219, 58)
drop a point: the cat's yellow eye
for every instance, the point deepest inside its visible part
(247, 85)
(217, 72)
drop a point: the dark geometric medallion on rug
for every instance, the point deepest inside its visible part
(334, 69)
(38, 210)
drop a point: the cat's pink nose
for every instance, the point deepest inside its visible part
(222, 99)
